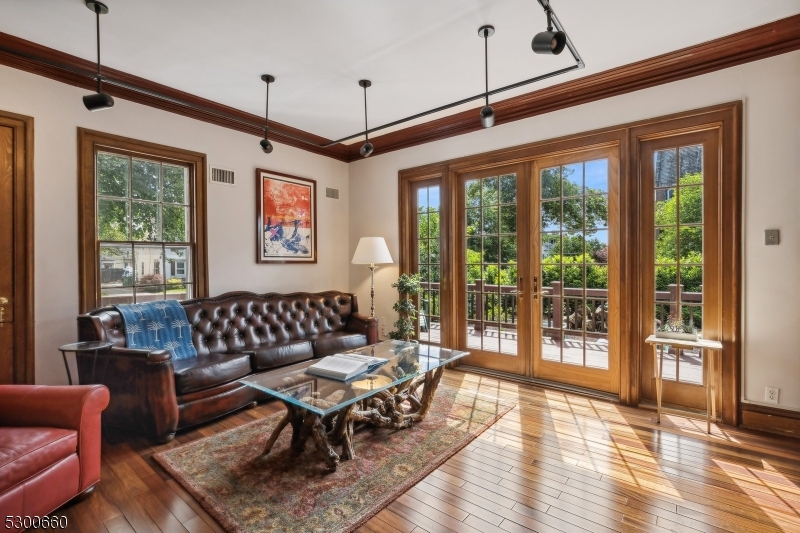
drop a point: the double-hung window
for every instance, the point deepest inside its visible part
(148, 241)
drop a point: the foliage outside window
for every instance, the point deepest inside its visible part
(678, 222)
(429, 262)
(574, 251)
(143, 228)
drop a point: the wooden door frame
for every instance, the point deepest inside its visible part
(23, 297)
(727, 119)
(628, 136)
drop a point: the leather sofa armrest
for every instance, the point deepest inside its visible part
(50, 406)
(151, 356)
(76, 407)
(142, 385)
(358, 323)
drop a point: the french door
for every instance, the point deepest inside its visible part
(494, 320)
(538, 268)
(680, 263)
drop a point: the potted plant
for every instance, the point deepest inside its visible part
(674, 328)
(407, 287)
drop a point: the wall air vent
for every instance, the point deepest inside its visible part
(222, 176)
(331, 193)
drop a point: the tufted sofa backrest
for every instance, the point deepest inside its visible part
(238, 321)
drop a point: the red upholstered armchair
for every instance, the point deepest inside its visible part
(49, 446)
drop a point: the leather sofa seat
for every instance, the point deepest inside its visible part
(269, 356)
(205, 371)
(26, 451)
(336, 342)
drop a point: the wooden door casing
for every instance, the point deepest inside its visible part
(16, 242)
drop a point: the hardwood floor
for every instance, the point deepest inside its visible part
(557, 462)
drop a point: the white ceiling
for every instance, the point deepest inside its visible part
(419, 54)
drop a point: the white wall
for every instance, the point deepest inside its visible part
(58, 111)
(769, 88)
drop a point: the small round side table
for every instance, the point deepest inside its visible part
(83, 347)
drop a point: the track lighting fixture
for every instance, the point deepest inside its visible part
(487, 113)
(100, 100)
(549, 42)
(367, 149)
(266, 146)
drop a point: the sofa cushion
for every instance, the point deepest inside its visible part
(26, 451)
(277, 354)
(209, 370)
(336, 342)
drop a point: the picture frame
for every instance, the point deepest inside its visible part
(286, 218)
(301, 390)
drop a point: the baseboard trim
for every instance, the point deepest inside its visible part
(770, 419)
(554, 385)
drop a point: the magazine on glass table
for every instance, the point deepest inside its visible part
(343, 366)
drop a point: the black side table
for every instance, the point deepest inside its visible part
(83, 347)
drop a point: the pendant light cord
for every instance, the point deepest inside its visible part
(366, 129)
(486, 61)
(99, 78)
(266, 114)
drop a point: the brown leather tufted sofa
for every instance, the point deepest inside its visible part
(235, 334)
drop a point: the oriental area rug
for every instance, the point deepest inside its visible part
(284, 493)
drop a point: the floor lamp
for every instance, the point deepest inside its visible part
(372, 251)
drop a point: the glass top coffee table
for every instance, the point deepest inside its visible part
(396, 395)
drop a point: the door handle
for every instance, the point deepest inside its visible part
(535, 287)
(3, 301)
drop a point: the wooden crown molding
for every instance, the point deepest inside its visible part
(764, 41)
(37, 59)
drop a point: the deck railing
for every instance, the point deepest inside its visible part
(487, 303)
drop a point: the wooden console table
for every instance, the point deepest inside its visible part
(709, 376)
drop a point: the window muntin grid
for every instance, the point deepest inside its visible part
(429, 263)
(573, 208)
(143, 229)
(491, 263)
(678, 251)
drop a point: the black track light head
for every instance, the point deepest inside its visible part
(98, 101)
(266, 146)
(366, 150)
(487, 116)
(549, 42)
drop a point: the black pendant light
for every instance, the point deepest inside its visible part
(101, 100)
(487, 113)
(549, 42)
(367, 149)
(265, 144)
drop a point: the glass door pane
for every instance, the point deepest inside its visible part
(429, 264)
(491, 264)
(572, 210)
(491, 256)
(574, 263)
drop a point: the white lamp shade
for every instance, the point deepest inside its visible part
(371, 250)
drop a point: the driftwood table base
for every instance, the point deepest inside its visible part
(399, 407)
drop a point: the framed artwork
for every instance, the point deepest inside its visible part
(286, 208)
(302, 390)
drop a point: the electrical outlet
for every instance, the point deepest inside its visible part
(383, 326)
(771, 394)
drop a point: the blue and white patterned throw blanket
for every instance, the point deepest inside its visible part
(158, 326)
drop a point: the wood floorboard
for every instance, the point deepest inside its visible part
(557, 463)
